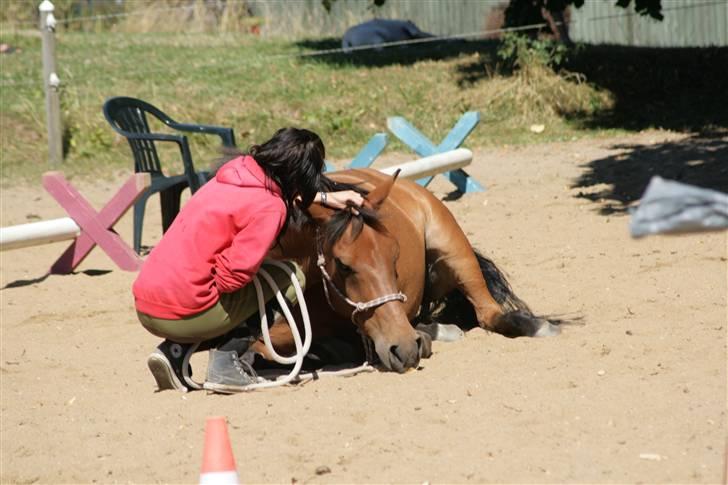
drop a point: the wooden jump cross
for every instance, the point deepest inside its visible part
(413, 138)
(96, 227)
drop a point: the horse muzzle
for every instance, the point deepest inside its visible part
(400, 355)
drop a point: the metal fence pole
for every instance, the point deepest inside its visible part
(51, 83)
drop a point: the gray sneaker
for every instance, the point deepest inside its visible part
(170, 366)
(227, 374)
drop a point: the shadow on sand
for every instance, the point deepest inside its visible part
(701, 160)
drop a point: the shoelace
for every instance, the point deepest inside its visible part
(245, 368)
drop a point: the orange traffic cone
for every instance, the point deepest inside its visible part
(218, 464)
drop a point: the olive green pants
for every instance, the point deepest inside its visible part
(231, 309)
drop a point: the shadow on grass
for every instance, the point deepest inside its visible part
(682, 89)
(398, 55)
(700, 160)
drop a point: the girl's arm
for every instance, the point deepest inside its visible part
(236, 265)
(339, 200)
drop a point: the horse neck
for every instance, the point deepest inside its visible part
(299, 245)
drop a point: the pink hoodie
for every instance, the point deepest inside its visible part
(215, 244)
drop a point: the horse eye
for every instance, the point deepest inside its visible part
(342, 267)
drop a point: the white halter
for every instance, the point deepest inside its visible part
(358, 306)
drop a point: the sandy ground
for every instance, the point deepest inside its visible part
(636, 394)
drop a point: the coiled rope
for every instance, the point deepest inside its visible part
(302, 347)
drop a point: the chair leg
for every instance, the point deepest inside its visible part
(203, 177)
(170, 200)
(139, 207)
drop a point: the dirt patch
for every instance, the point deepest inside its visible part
(636, 394)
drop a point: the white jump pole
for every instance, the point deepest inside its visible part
(36, 233)
(43, 232)
(432, 165)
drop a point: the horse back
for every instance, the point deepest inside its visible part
(413, 203)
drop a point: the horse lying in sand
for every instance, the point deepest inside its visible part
(401, 259)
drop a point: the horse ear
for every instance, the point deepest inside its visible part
(319, 213)
(380, 192)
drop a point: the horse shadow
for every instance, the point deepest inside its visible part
(700, 160)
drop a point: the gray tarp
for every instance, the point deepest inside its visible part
(669, 207)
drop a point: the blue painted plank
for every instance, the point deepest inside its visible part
(411, 136)
(370, 152)
(464, 182)
(465, 125)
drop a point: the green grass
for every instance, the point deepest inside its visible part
(231, 80)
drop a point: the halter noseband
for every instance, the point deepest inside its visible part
(358, 306)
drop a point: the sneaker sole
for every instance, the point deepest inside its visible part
(224, 388)
(162, 371)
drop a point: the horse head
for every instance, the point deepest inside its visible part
(358, 260)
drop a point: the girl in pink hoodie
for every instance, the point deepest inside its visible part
(194, 290)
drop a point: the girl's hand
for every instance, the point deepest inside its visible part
(340, 200)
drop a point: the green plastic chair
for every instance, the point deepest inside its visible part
(128, 117)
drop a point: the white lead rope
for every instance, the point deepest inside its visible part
(302, 348)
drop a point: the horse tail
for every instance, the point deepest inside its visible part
(517, 319)
(499, 286)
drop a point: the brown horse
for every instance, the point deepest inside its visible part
(391, 264)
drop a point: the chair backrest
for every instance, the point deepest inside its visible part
(129, 115)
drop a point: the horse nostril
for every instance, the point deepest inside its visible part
(419, 343)
(402, 358)
(397, 361)
(393, 350)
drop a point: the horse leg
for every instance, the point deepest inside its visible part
(434, 330)
(442, 332)
(454, 266)
(326, 327)
(281, 338)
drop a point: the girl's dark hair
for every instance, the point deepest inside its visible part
(294, 159)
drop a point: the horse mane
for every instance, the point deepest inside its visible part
(335, 227)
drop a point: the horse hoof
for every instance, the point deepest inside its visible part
(547, 329)
(448, 333)
(441, 331)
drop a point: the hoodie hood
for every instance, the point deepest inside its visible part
(244, 171)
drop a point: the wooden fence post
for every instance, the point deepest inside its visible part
(51, 83)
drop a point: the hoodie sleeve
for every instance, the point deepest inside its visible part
(235, 266)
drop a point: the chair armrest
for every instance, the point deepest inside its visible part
(152, 136)
(226, 134)
(181, 140)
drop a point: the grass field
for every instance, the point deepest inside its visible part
(257, 86)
